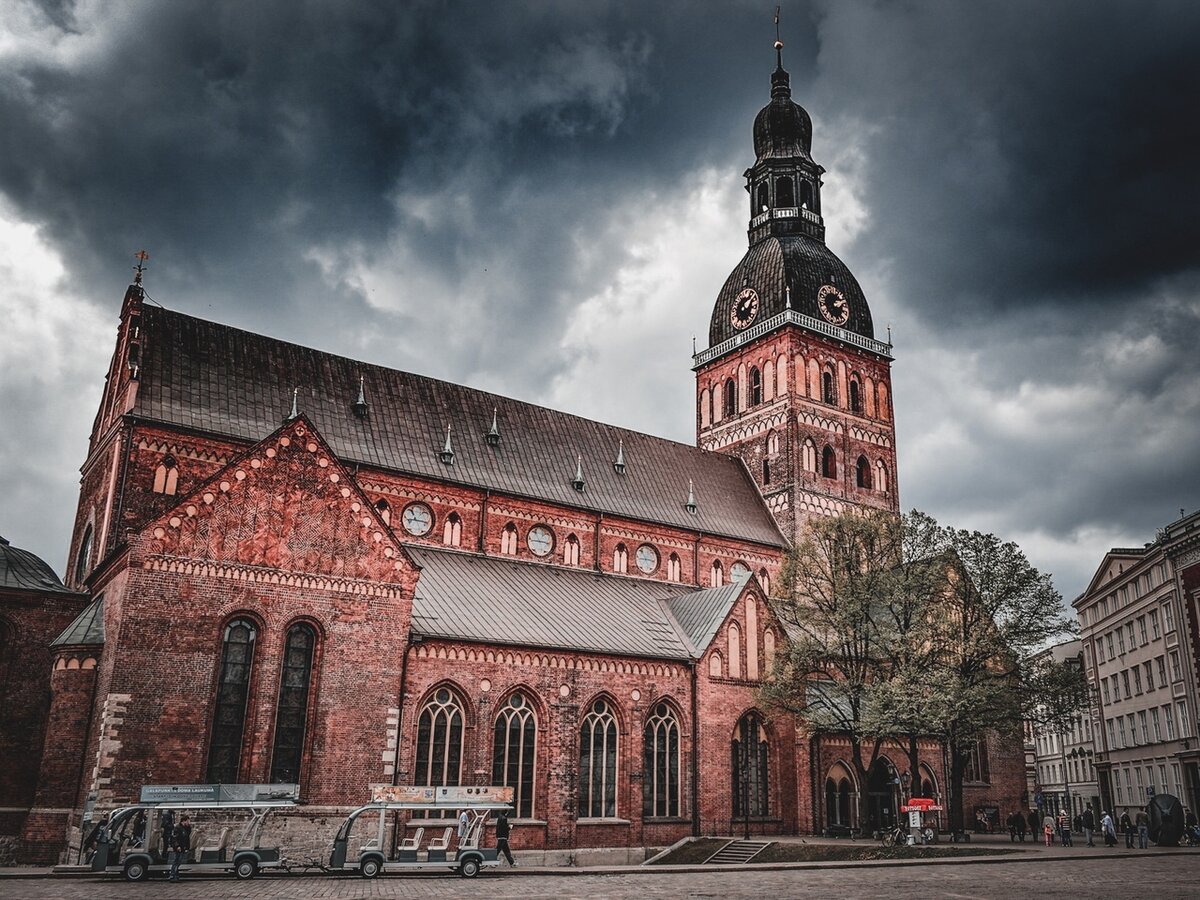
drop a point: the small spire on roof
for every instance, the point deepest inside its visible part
(787, 293)
(691, 500)
(360, 405)
(889, 334)
(141, 256)
(493, 433)
(578, 483)
(619, 465)
(447, 454)
(778, 42)
(295, 407)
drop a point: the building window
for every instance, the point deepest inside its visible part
(1168, 618)
(1104, 685)
(755, 386)
(384, 510)
(83, 560)
(827, 392)
(674, 569)
(735, 651)
(750, 768)
(773, 443)
(1161, 662)
(714, 665)
(1137, 680)
(166, 477)
(806, 195)
(739, 572)
(716, 575)
(862, 473)
(1184, 728)
(729, 398)
(598, 762)
(762, 198)
(660, 782)
(1154, 719)
(1141, 620)
(1142, 723)
(514, 746)
(769, 650)
(571, 550)
(1154, 624)
(977, 767)
(705, 405)
(452, 531)
(766, 473)
(233, 690)
(881, 476)
(1148, 672)
(291, 715)
(855, 396)
(828, 462)
(785, 192)
(1125, 683)
(764, 578)
(620, 559)
(1176, 672)
(1169, 718)
(439, 741)
(508, 540)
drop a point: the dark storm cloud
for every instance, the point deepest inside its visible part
(438, 186)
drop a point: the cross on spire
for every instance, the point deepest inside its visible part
(141, 256)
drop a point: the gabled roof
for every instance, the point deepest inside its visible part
(87, 629)
(21, 570)
(1104, 573)
(488, 599)
(212, 378)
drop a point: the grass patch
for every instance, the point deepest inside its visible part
(693, 852)
(793, 852)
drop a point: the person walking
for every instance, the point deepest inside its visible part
(464, 826)
(1020, 823)
(1110, 830)
(1011, 822)
(1077, 824)
(1064, 828)
(181, 846)
(1143, 829)
(503, 829)
(1089, 825)
(1127, 829)
(1048, 826)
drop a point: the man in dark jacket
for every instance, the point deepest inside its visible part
(1127, 829)
(503, 829)
(1035, 824)
(181, 846)
(1089, 825)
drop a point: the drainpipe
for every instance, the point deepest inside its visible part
(481, 544)
(596, 542)
(408, 645)
(695, 752)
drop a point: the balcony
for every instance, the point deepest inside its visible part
(791, 317)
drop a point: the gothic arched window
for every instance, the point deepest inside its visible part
(439, 741)
(166, 476)
(716, 575)
(862, 472)
(674, 569)
(660, 783)
(809, 454)
(508, 540)
(385, 511)
(598, 762)
(83, 559)
(571, 550)
(730, 398)
(762, 198)
(785, 193)
(514, 746)
(750, 758)
(735, 651)
(452, 530)
(755, 386)
(773, 442)
(291, 712)
(827, 392)
(233, 691)
(828, 462)
(620, 559)
(881, 475)
(764, 578)
(855, 396)
(806, 195)
(714, 665)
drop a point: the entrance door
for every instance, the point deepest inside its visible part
(881, 795)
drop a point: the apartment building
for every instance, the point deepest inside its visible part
(1064, 762)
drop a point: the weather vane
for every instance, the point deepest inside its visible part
(777, 40)
(141, 256)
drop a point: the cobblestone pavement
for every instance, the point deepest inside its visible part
(1159, 877)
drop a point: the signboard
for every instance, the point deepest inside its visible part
(914, 818)
(440, 796)
(219, 793)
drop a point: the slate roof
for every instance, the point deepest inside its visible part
(21, 570)
(86, 629)
(221, 380)
(488, 599)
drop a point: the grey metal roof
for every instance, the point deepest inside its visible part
(21, 570)
(213, 378)
(86, 629)
(469, 597)
(701, 613)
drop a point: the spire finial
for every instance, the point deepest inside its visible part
(889, 334)
(578, 483)
(619, 465)
(787, 291)
(360, 405)
(778, 42)
(295, 405)
(691, 500)
(493, 433)
(141, 256)
(447, 454)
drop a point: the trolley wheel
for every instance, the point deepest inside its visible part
(136, 870)
(370, 867)
(245, 868)
(469, 868)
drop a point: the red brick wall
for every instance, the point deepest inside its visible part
(1005, 787)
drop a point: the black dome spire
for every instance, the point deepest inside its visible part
(782, 129)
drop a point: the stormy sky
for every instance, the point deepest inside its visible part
(543, 199)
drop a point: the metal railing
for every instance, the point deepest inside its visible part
(791, 317)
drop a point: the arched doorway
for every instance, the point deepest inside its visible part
(882, 794)
(840, 806)
(929, 788)
(751, 793)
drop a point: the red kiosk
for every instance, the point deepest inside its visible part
(916, 809)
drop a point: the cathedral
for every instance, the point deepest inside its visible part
(288, 566)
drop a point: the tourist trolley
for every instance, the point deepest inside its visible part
(467, 857)
(132, 843)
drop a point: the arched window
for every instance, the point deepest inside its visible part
(660, 782)
(514, 746)
(781, 375)
(855, 396)
(229, 713)
(773, 442)
(806, 195)
(827, 392)
(508, 540)
(862, 473)
(714, 665)
(598, 762)
(762, 198)
(674, 569)
(439, 741)
(291, 713)
(735, 650)
(739, 572)
(828, 462)
(768, 387)
(785, 192)
(705, 409)
(764, 578)
(766, 466)
(716, 575)
(837, 800)
(881, 476)
(712, 396)
(571, 550)
(166, 476)
(385, 511)
(755, 386)
(83, 559)
(620, 559)
(750, 757)
(730, 398)
(881, 392)
(769, 649)
(452, 531)
(809, 456)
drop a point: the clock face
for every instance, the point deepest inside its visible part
(833, 304)
(745, 308)
(540, 540)
(418, 519)
(647, 558)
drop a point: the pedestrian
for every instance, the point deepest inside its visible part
(1020, 821)
(1077, 824)
(166, 825)
(1064, 828)
(181, 846)
(1011, 822)
(502, 831)
(1048, 826)
(1110, 830)
(1033, 824)
(1089, 825)
(1127, 829)
(464, 826)
(1143, 829)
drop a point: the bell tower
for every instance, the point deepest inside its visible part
(793, 380)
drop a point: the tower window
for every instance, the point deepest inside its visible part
(674, 569)
(571, 550)
(828, 462)
(716, 575)
(166, 476)
(766, 471)
(755, 386)
(862, 473)
(620, 559)
(83, 558)
(785, 193)
(508, 540)
(762, 198)
(452, 531)
(827, 392)
(855, 396)
(806, 195)
(773, 442)
(809, 454)
(730, 398)
(881, 475)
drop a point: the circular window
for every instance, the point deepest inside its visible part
(647, 558)
(540, 540)
(517, 701)
(442, 696)
(600, 707)
(418, 519)
(661, 710)
(739, 572)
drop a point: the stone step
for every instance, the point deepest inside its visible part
(736, 852)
